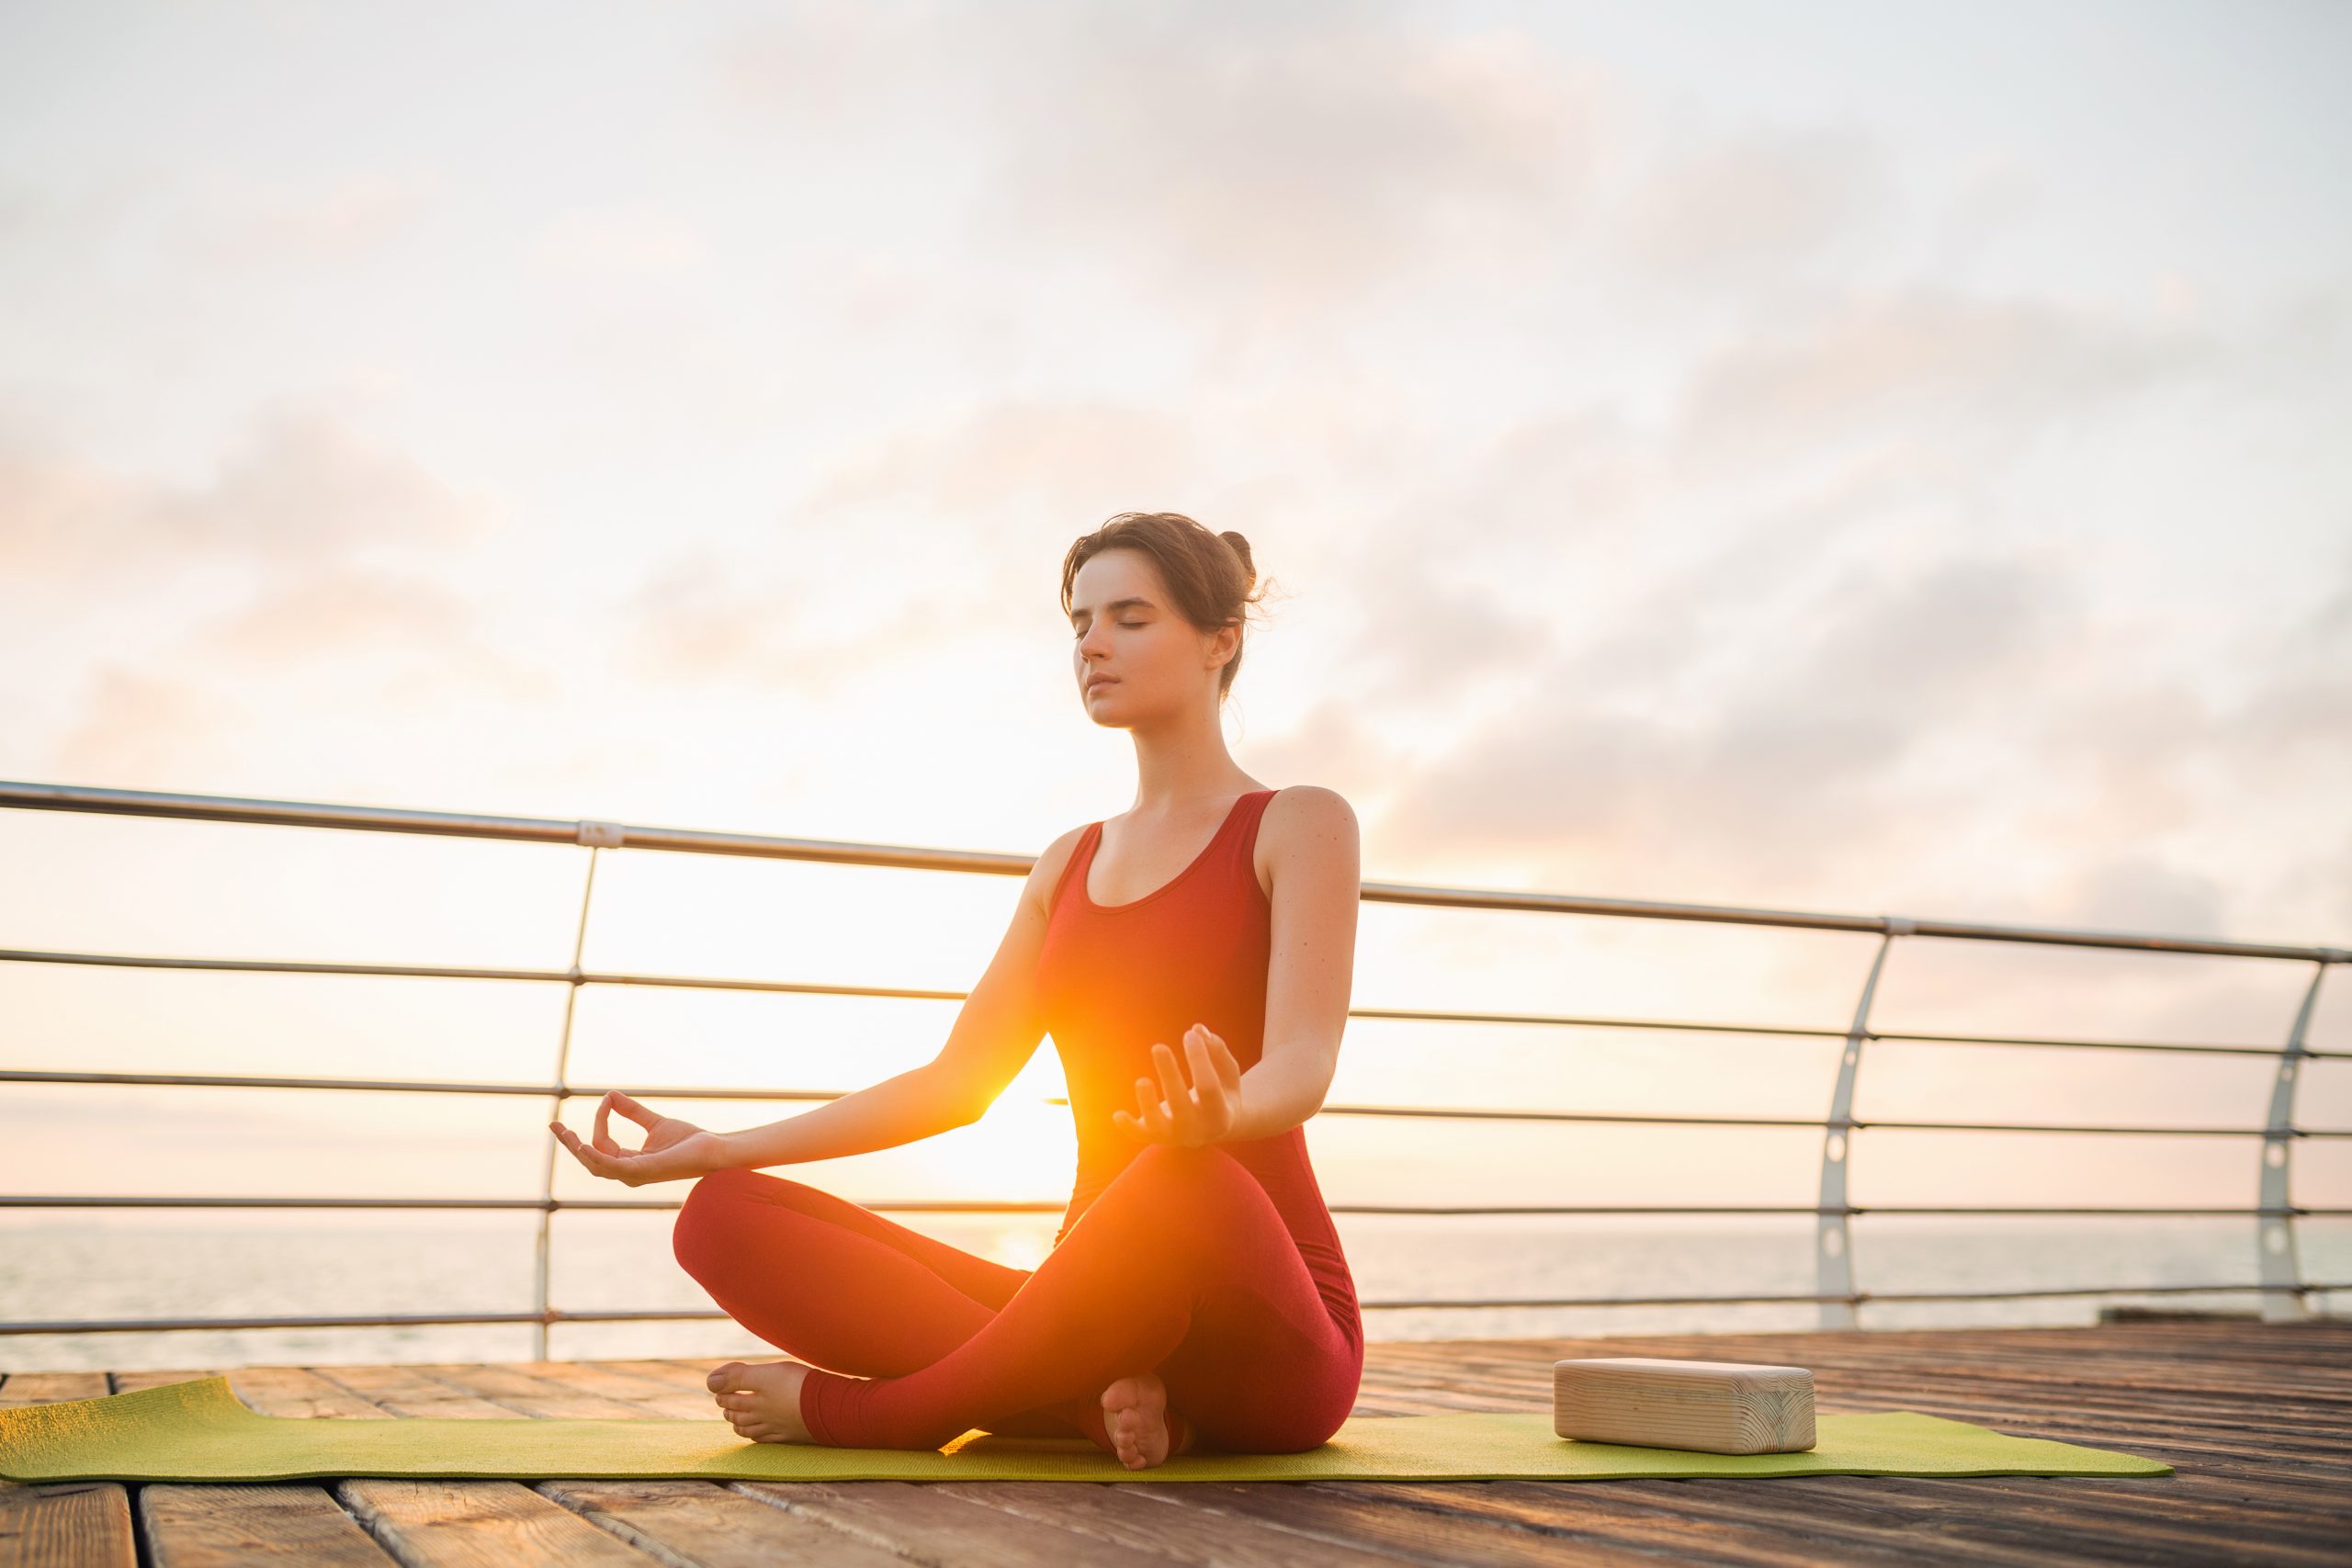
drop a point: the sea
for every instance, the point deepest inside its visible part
(71, 1268)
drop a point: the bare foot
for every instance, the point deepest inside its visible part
(763, 1399)
(1135, 1415)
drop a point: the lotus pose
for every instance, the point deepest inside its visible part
(1191, 959)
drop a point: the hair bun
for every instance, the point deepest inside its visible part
(1240, 548)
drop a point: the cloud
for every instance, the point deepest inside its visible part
(924, 539)
(298, 487)
(1063, 456)
(1266, 159)
(1926, 367)
(337, 607)
(325, 541)
(241, 222)
(1772, 774)
(621, 243)
(1292, 162)
(2135, 892)
(1760, 199)
(137, 730)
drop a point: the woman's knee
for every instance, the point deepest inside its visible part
(1182, 1181)
(705, 1219)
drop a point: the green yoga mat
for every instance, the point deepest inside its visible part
(199, 1430)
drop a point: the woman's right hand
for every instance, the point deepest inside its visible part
(673, 1149)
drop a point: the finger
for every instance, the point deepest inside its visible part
(596, 1159)
(603, 1136)
(1214, 1096)
(1156, 1120)
(1171, 1074)
(1196, 1056)
(632, 1109)
(1228, 1065)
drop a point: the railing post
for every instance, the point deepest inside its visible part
(595, 835)
(2282, 1274)
(1834, 1237)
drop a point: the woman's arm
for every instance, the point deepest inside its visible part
(996, 1031)
(902, 1110)
(1317, 866)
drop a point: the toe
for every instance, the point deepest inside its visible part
(723, 1377)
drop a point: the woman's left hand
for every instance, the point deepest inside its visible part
(1191, 1115)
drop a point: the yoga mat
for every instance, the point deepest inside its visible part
(199, 1430)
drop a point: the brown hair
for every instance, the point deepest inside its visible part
(1209, 575)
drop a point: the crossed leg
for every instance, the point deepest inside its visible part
(837, 1286)
(1181, 1265)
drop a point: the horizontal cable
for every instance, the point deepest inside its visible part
(910, 993)
(1434, 1112)
(462, 972)
(412, 1320)
(1055, 1206)
(1580, 1020)
(562, 830)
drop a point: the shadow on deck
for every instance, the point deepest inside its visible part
(2255, 1418)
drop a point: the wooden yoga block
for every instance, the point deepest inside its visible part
(1717, 1408)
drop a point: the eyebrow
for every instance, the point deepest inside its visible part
(1116, 606)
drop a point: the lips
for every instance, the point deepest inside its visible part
(1101, 681)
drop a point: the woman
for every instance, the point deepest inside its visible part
(1191, 959)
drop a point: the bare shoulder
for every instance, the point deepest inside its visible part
(1046, 873)
(1306, 824)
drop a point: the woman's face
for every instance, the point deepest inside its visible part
(1123, 628)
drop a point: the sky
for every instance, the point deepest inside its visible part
(1877, 458)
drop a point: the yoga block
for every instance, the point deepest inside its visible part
(1717, 1408)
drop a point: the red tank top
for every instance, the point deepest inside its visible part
(1114, 979)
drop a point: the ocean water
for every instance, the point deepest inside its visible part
(298, 1264)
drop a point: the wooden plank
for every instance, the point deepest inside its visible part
(131, 1383)
(402, 1391)
(299, 1392)
(646, 1395)
(1758, 1515)
(677, 1376)
(927, 1524)
(2080, 1517)
(523, 1395)
(1339, 1513)
(46, 1388)
(84, 1524)
(221, 1526)
(714, 1527)
(1136, 1517)
(480, 1524)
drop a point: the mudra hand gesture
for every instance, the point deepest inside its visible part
(1191, 1116)
(673, 1148)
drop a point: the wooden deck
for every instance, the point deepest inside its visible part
(2256, 1417)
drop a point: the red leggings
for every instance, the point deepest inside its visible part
(1180, 1266)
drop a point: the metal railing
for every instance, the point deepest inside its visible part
(2284, 1293)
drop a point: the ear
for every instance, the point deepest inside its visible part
(1223, 643)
